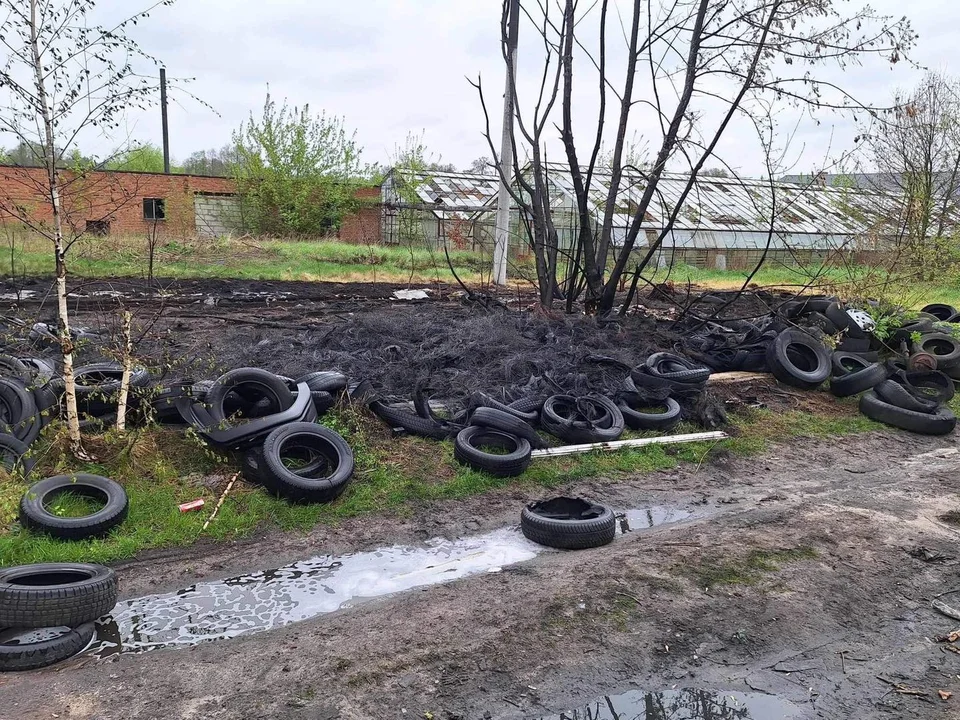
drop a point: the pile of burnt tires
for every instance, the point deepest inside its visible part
(904, 380)
(268, 418)
(271, 421)
(500, 438)
(48, 610)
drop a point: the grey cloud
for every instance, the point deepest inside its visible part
(393, 66)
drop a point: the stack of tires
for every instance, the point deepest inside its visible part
(47, 611)
(913, 401)
(499, 438)
(271, 420)
(29, 397)
(649, 400)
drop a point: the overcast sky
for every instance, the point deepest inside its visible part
(395, 66)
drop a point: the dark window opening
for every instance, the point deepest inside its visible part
(98, 228)
(154, 209)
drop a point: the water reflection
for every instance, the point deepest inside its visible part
(261, 601)
(645, 518)
(686, 704)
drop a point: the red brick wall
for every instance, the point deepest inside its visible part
(114, 197)
(117, 198)
(363, 226)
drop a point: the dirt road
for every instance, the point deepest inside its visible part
(793, 578)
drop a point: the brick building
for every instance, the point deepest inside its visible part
(363, 227)
(137, 203)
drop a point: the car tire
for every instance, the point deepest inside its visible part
(321, 483)
(940, 311)
(412, 423)
(798, 360)
(893, 392)
(324, 381)
(34, 514)
(636, 420)
(97, 386)
(940, 422)
(18, 410)
(642, 378)
(568, 524)
(527, 409)
(323, 401)
(930, 385)
(839, 317)
(14, 455)
(55, 594)
(256, 384)
(505, 422)
(677, 368)
(945, 348)
(857, 382)
(843, 363)
(15, 367)
(17, 656)
(466, 450)
(559, 419)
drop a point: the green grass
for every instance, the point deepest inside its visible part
(71, 505)
(313, 260)
(842, 281)
(252, 260)
(161, 469)
(749, 569)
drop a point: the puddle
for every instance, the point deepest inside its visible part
(260, 601)
(646, 518)
(266, 600)
(22, 295)
(686, 704)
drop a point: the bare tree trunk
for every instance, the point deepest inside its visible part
(127, 363)
(63, 320)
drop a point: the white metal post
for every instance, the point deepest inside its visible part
(502, 235)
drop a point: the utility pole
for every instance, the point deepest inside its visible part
(506, 151)
(163, 116)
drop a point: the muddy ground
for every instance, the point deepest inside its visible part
(795, 578)
(850, 607)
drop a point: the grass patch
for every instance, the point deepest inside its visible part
(72, 505)
(162, 468)
(748, 570)
(331, 260)
(261, 259)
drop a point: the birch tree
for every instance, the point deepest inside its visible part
(66, 76)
